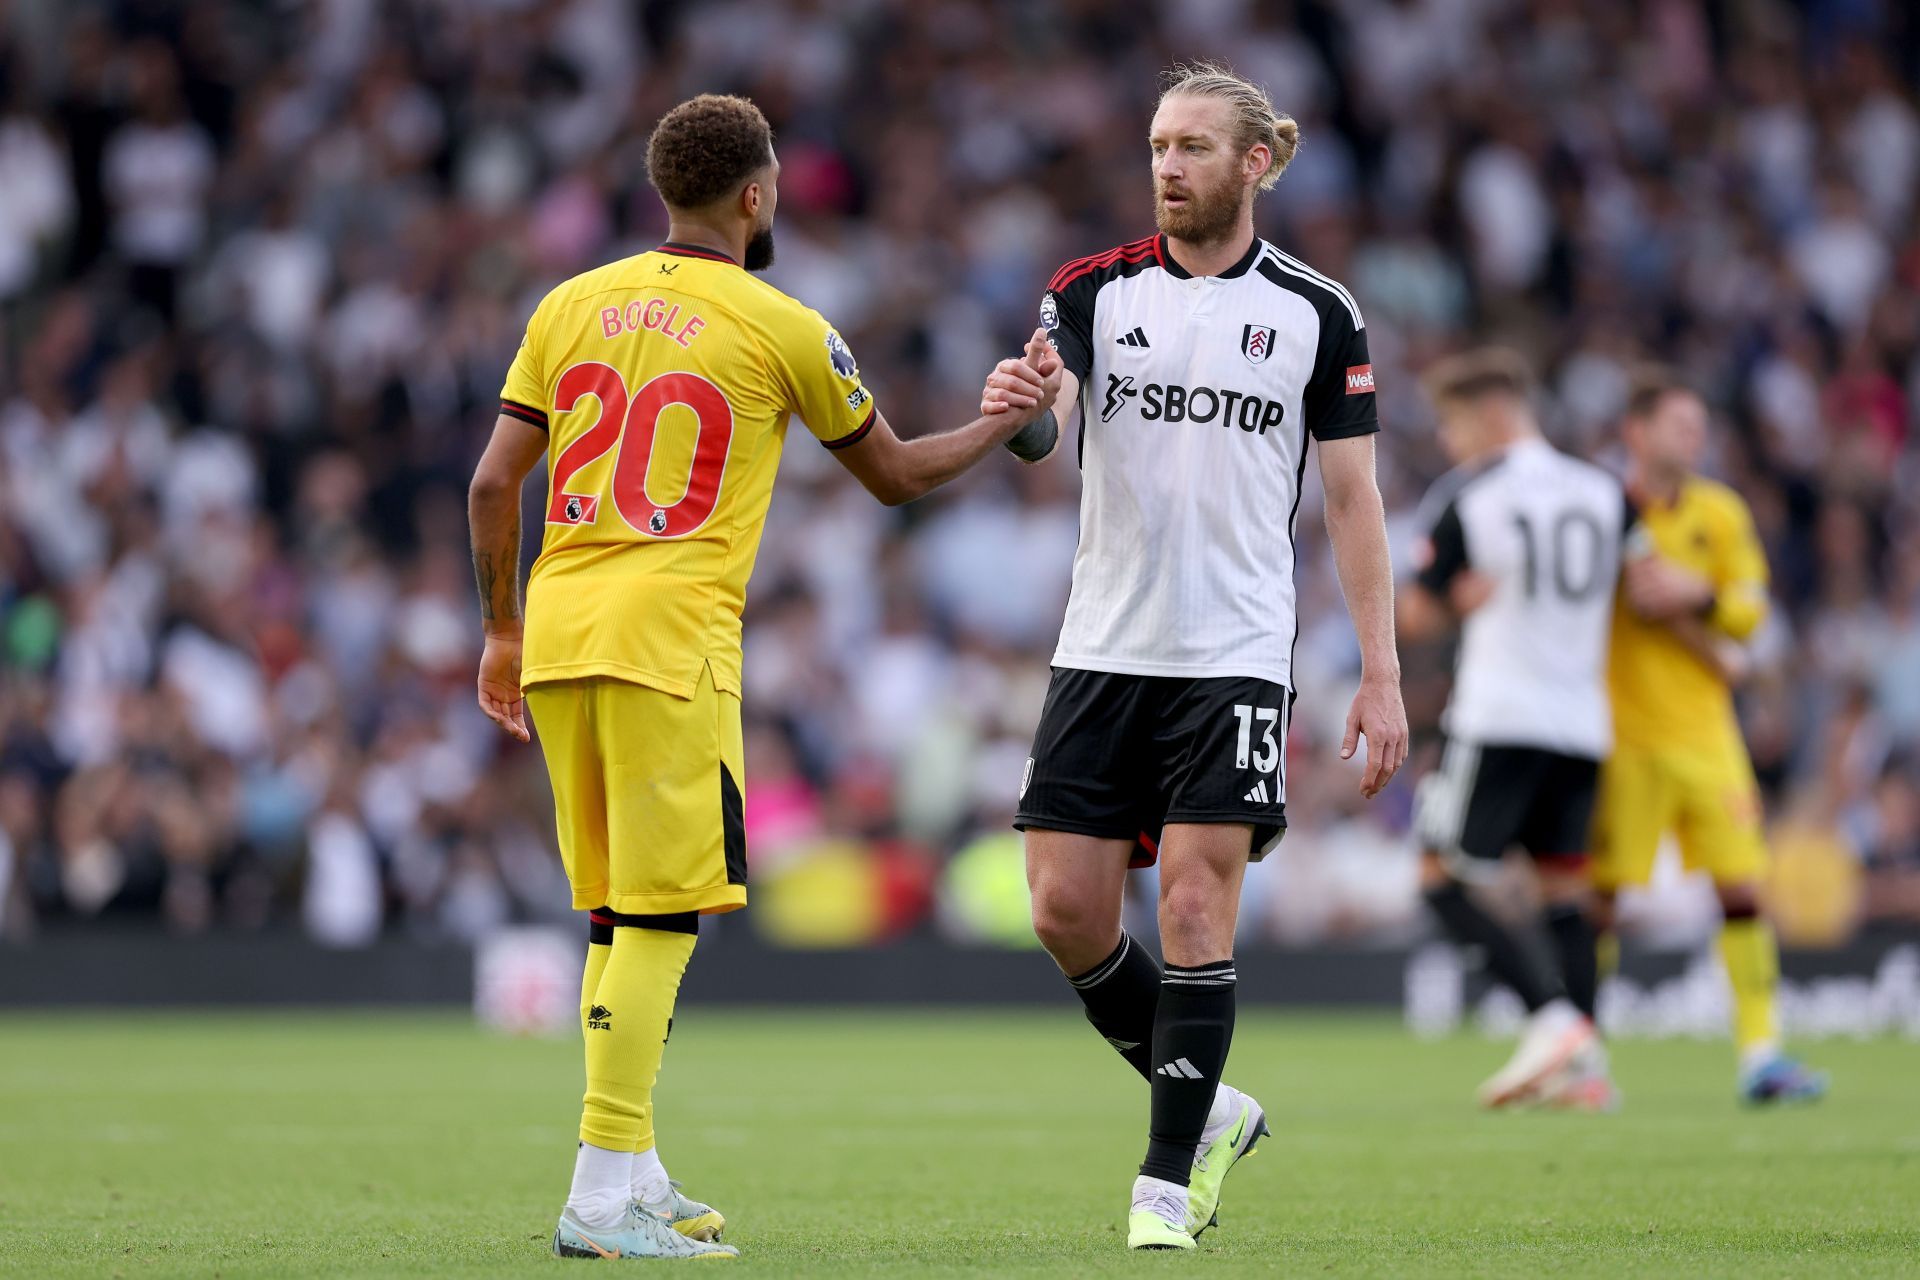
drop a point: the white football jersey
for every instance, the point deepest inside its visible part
(1197, 395)
(1547, 531)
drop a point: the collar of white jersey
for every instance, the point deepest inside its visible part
(1240, 268)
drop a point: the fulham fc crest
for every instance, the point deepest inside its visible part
(1256, 343)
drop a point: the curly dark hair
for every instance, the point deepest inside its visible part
(705, 148)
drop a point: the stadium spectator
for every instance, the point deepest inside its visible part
(262, 269)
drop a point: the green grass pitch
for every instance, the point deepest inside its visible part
(240, 1144)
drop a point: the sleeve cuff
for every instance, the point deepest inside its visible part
(858, 434)
(1347, 430)
(1737, 611)
(525, 413)
(1075, 358)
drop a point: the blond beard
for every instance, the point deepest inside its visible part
(1209, 216)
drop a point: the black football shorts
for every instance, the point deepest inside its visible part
(1486, 799)
(1120, 756)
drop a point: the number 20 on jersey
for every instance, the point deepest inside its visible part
(630, 424)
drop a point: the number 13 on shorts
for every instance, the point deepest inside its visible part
(1268, 758)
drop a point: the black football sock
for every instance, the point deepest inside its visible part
(1578, 952)
(1192, 1031)
(1121, 993)
(1504, 957)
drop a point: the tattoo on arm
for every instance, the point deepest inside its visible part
(483, 576)
(493, 521)
(497, 573)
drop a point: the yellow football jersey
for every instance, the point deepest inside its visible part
(1663, 695)
(665, 382)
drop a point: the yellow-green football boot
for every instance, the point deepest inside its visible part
(1157, 1217)
(1245, 1125)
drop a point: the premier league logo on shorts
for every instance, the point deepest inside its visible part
(1256, 343)
(659, 522)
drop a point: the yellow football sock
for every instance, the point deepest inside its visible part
(597, 953)
(1752, 959)
(1606, 954)
(626, 1033)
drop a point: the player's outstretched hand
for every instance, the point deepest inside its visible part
(1380, 717)
(500, 695)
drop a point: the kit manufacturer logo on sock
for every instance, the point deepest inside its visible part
(599, 1018)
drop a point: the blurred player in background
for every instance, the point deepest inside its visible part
(1522, 549)
(1198, 361)
(1679, 762)
(659, 388)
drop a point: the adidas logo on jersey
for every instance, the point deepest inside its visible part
(1259, 793)
(1137, 338)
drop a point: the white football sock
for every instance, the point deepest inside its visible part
(651, 1187)
(1554, 1017)
(601, 1185)
(1226, 1105)
(1156, 1195)
(1755, 1056)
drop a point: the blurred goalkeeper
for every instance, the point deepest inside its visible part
(659, 390)
(1679, 762)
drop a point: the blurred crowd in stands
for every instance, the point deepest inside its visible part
(263, 265)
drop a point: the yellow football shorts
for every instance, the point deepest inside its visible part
(646, 794)
(1706, 797)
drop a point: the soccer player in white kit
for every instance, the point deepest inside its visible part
(1521, 548)
(1199, 362)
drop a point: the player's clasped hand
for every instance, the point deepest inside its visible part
(1658, 589)
(1027, 384)
(499, 690)
(1379, 716)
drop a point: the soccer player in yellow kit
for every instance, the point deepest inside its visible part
(659, 388)
(1679, 763)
